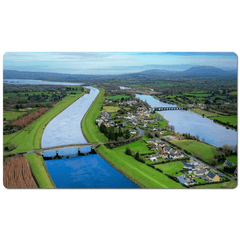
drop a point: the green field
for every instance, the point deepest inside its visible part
(198, 149)
(110, 108)
(118, 97)
(139, 145)
(171, 168)
(39, 172)
(22, 95)
(199, 180)
(11, 115)
(229, 184)
(233, 93)
(231, 119)
(30, 137)
(232, 159)
(138, 172)
(206, 113)
(89, 127)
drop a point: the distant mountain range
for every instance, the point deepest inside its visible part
(199, 71)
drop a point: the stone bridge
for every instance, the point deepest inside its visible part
(168, 108)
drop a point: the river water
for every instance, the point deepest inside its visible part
(189, 122)
(89, 171)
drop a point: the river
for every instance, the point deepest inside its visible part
(189, 122)
(89, 171)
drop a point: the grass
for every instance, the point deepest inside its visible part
(38, 170)
(136, 146)
(232, 159)
(231, 119)
(12, 115)
(171, 168)
(201, 112)
(199, 180)
(229, 184)
(198, 149)
(138, 172)
(22, 95)
(118, 97)
(30, 137)
(89, 127)
(110, 108)
(234, 93)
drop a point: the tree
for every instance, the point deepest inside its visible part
(137, 156)
(172, 128)
(203, 115)
(197, 138)
(128, 151)
(203, 139)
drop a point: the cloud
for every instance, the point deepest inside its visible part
(82, 55)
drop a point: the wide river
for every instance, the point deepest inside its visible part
(89, 171)
(189, 122)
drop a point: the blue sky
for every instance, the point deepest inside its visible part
(114, 62)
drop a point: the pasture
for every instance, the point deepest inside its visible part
(171, 168)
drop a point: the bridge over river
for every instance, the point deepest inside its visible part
(169, 108)
(41, 151)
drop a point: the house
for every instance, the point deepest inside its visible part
(182, 179)
(153, 159)
(213, 177)
(228, 163)
(155, 155)
(200, 172)
(151, 140)
(133, 131)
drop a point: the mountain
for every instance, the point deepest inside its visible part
(199, 71)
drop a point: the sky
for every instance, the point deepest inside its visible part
(114, 62)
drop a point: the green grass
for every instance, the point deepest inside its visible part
(89, 127)
(232, 159)
(30, 137)
(22, 95)
(11, 115)
(233, 93)
(136, 146)
(231, 119)
(229, 184)
(138, 172)
(171, 168)
(110, 108)
(199, 180)
(201, 112)
(118, 97)
(198, 149)
(38, 169)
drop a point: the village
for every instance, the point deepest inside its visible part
(157, 151)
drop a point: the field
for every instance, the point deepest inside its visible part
(119, 97)
(136, 146)
(38, 169)
(110, 108)
(231, 119)
(172, 168)
(31, 117)
(197, 149)
(229, 184)
(232, 159)
(89, 127)
(22, 95)
(12, 115)
(139, 173)
(206, 113)
(17, 173)
(234, 93)
(30, 137)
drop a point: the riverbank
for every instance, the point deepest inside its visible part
(137, 172)
(30, 138)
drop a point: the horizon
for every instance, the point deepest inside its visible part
(115, 63)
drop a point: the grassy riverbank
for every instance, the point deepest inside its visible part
(30, 138)
(138, 172)
(89, 127)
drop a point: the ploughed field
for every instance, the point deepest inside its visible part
(17, 173)
(29, 118)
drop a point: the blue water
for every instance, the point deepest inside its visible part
(36, 82)
(89, 171)
(189, 122)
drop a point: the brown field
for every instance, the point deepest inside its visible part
(28, 119)
(17, 173)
